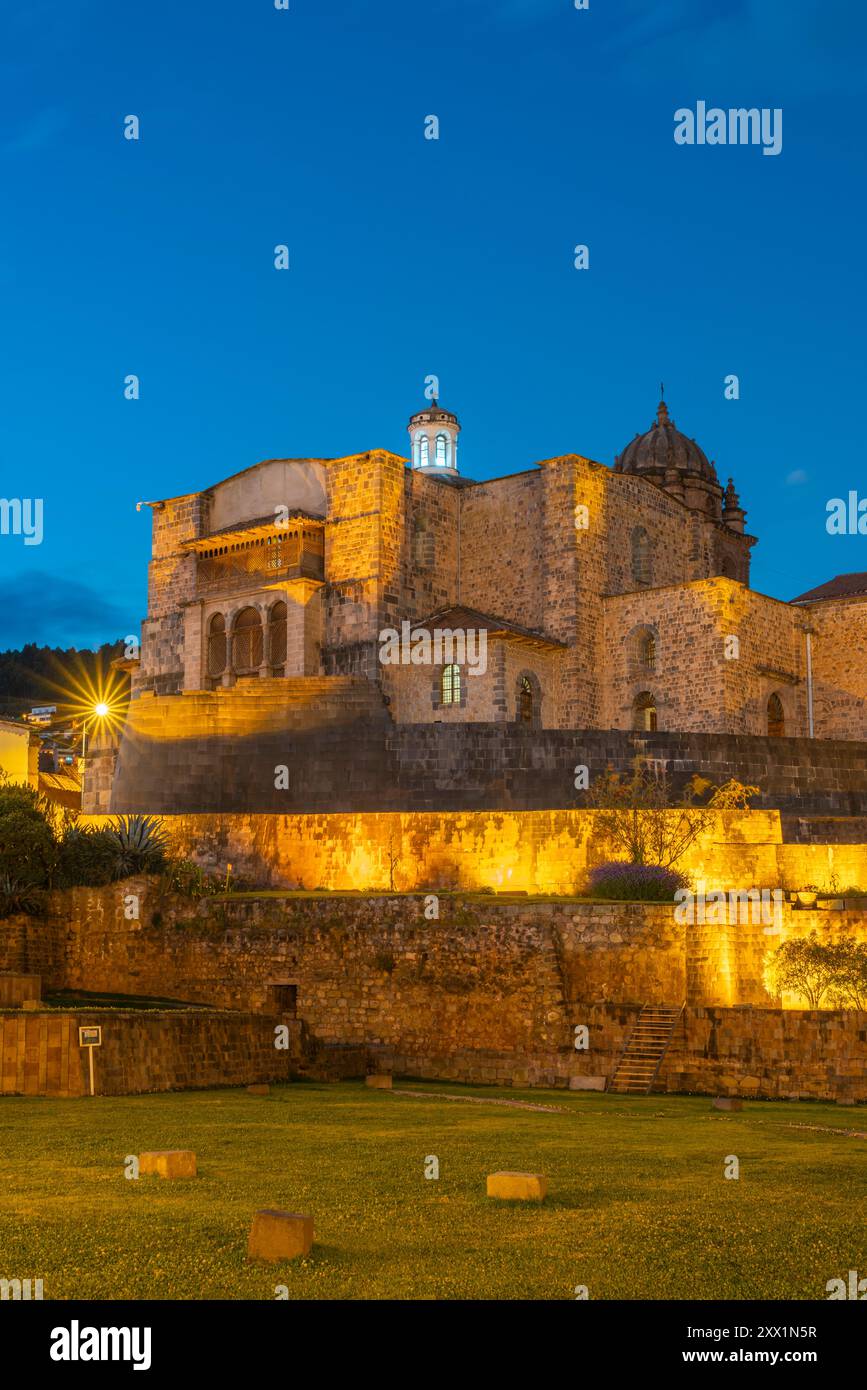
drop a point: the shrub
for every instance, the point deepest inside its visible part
(27, 848)
(15, 797)
(642, 882)
(188, 879)
(16, 896)
(87, 857)
(141, 844)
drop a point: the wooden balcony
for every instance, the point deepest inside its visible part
(241, 561)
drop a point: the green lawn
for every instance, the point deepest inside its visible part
(638, 1206)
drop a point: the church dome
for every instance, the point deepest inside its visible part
(663, 449)
(433, 414)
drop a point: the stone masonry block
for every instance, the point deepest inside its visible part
(279, 1235)
(168, 1163)
(517, 1187)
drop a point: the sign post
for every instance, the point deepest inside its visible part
(90, 1037)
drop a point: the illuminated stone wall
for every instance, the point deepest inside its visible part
(489, 991)
(140, 1051)
(529, 851)
(380, 955)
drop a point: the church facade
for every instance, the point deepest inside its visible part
(571, 595)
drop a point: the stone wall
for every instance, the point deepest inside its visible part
(695, 683)
(771, 1054)
(526, 851)
(840, 674)
(140, 1051)
(16, 988)
(502, 563)
(488, 991)
(489, 696)
(354, 958)
(211, 751)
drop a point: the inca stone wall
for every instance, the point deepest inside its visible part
(489, 991)
(217, 750)
(140, 1051)
(526, 851)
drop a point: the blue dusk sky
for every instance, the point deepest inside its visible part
(411, 257)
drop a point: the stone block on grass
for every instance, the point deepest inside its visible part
(167, 1163)
(378, 1083)
(727, 1103)
(586, 1083)
(517, 1187)
(279, 1235)
(259, 1089)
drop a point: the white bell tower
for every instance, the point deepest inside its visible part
(434, 435)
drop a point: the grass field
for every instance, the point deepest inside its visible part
(638, 1204)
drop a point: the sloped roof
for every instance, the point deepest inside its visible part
(844, 586)
(460, 617)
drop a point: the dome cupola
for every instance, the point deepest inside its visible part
(434, 435)
(675, 463)
(664, 448)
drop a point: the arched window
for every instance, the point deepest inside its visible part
(640, 556)
(277, 637)
(644, 712)
(776, 717)
(217, 645)
(647, 651)
(247, 642)
(710, 505)
(450, 685)
(423, 451)
(728, 567)
(442, 450)
(525, 701)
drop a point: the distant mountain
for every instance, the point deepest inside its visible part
(56, 676)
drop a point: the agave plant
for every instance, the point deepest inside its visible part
(141, 844)
(17, 896)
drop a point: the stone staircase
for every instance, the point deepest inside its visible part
(645, 1048)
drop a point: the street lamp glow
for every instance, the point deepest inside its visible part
(101, 709)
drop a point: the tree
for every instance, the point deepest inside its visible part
(640, 814)
(393, 860)
(849, 988)
(806, 966)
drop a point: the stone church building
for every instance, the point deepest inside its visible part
(601, 598)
